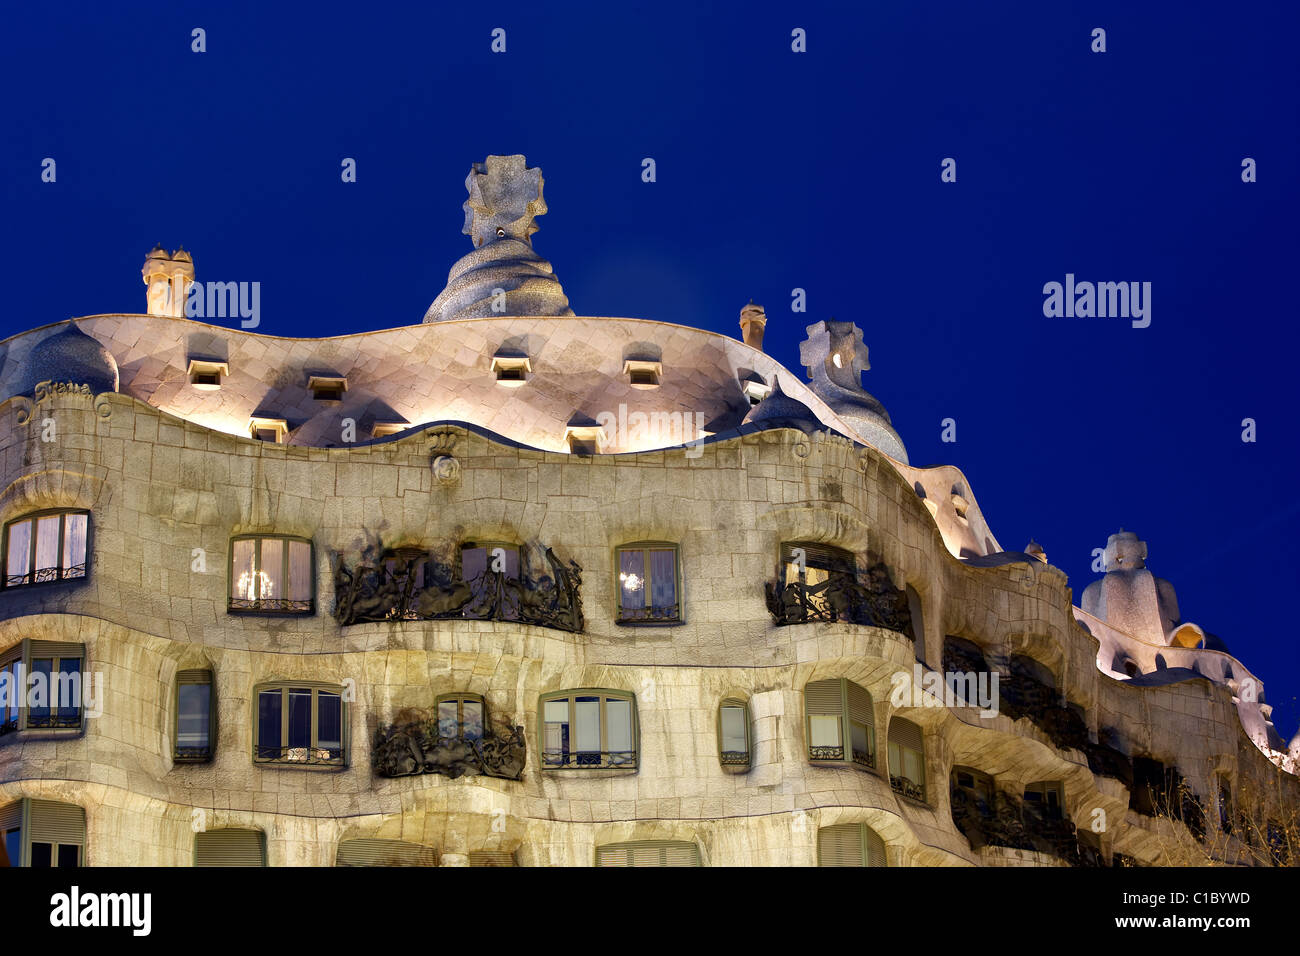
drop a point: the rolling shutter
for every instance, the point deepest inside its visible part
(194, 677)
(840, 845)
(230, 847)
(63, 649)
(491, 858)
(820, 556)
(648, 853)
(11, 816)
(905, 734)
(384, 853)
(875, 848)
(860, 709)
(52, 822)
(822, 697)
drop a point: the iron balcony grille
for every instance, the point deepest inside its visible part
(665, 614)
(907, 788)
(45, 576)
(588, 759)
(864, 759)
(54, 721)
(868, 598)
(735, 758)
(300, 756)
(9, 727)
(271, 606)
(195, 754)
(861, 758)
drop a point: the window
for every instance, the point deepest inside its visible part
(46, 547)
(384, 853)
(274, 430)
(976, 783)
(511, 370)
(41, 687)
(460, 717)
(589, 729)
(648, 584)
(642, 374)
(43, 833)
(733, 733)
(195, 717)
(385, 429)
(485, 567)
(301, 724)
(585, 440)
(850, 844)
(906, 759)
(1225, 802)
(327, 388)
(1046, 798)
(207, 375)
(230, 847)
(837, 711)
(272, 575)
(491, 858)
(648, 853)
(816, 565)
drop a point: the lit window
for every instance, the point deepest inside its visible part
(648, 853)
(648, 584)
(43, 833)
(301, 724)
(733, 734)
(46, 547)
(588, 730)
(837, 711)
(195, 717)
(42, 687)
(850, 844)
(271, 575)
(906, 759)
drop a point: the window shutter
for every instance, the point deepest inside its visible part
(840, 845)
(491, 858)
(875, 848)
(57, 649)
(823, 697)
(860, 708)
(52, 822)
(384, 853)
(201, 676)
(12, 654)
(820, 556)
(11, 816)
(648, 853)
(230, 847)
(905, 734)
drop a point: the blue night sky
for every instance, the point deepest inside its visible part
(776, 170)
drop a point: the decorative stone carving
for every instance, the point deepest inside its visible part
(868, 598)
(503, 275)
(414, 746)
(446, 470)
(411, 584)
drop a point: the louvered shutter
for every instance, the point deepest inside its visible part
(52, 822)
(823, 697)
(384, 853)
(906, 734)
(11, 816)
(649, 853)
(491, 858)
(64, 649)
(819, 556)
(230, 847)
(194, 677)
(840, 845)
(860, 709)
(875, 848)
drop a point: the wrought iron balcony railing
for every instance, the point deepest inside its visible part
(665, 614)
(306, 756)
(46, 576)
(868, 598)
(905, 787)
(588, 759)
(270, 606)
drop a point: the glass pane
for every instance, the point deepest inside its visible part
(47, 542)
(472, 718)
(299, 717)
(733, 729)
(329, 710)
(69, 854)
(663, 577)
(20, 544)
(824, 730)
(631, 579)
(74, 545)
(448, 719)
(555, 723)
(300, 571)
(271, 573)
(39, 713)
(9, 692)
(68, 699)
(895, 760)
(587, 716)
(13, 845)
(861, 738)
(913, 766)
(42, 854)
(192, 725)
(618, 733)
(243, 586)
(269, 704)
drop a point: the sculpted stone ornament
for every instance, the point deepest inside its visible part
(503, 275)
(411, 584)
(413, 745)
(835, 357)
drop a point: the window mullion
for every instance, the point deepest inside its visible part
(284, 720)
(600, 715)
(58, 557)
(31, 559)
(312, 734)
(257, 569)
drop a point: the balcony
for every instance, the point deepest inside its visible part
(868, 598)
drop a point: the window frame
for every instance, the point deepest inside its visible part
(605, 694)
(257, 607)
(625, 617)
(461, 698)
(735, 765)
(311, 763)
(25, 841)
(25, 652)
(261, 840)
(62, 577)
(864, 843)
(897, 781)
(1043, 806)
(202, 676)
(848, 756)
(662, 846)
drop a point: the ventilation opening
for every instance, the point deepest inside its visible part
(384, 429)
(643, 374)
(755, 391)
(585, 440)
(327, 388)
(511, 370)
(274, 430)
(205, 375)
